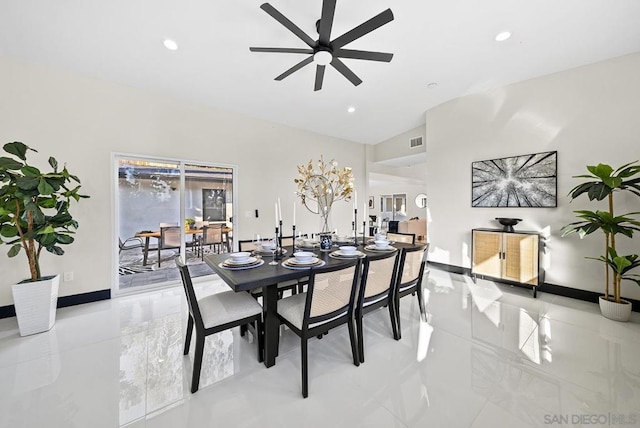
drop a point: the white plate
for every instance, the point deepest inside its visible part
(374, 248)
(293, 266)
(341, 253)
(248, 261)
(310, 262)
(371, 241)
(231, 267)
(308, 245)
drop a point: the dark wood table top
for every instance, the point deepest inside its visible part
(266, 274)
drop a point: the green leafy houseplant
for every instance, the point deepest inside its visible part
(34, 206)
(603, 182)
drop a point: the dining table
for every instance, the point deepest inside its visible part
(267, 277)
(148, 234)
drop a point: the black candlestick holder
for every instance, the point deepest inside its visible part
(364, 227)
(294, 239)
(278, 255)
(355, 222)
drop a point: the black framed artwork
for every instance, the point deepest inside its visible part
(517, 181)
(214, 205)
(371, 203)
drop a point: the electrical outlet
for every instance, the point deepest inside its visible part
(67, 276)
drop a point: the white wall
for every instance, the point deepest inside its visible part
(588, 114)
(81, 122)
(399, 146)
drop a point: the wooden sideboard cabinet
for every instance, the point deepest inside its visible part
(512, 257)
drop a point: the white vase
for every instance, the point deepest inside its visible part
(615, 311)
(35, 304)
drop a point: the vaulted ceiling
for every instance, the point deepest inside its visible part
(442, 50)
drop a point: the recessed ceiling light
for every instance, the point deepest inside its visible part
(170, 44)
(501, 37)
(351, 109)
(432, 85)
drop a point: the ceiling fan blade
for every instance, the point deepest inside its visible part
(319, 77)
(288, 24)
(346, 71)
(296, 67)
(282, 50)
(365, 28)
(355, 54)
(326, 21)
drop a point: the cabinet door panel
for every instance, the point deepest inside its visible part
(486, 253)
(521, 262)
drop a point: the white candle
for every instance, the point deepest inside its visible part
(294, 213)
(355, 200)
(276, 210)
(279, 211)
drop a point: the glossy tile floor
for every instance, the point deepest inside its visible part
(489, 356)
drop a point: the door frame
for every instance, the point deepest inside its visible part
(115, 220)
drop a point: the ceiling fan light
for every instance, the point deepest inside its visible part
(322, 57)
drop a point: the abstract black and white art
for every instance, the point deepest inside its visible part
(518, 181)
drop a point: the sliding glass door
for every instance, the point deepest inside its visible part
(162, 209)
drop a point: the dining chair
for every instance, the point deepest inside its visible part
(215, 313)
(411, 269)
(376, 290)
(407, 238)
(327, 303)
(169, 239)
(211, 236)
(130, 243)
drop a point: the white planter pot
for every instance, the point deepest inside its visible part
(35, 304)
(615, 311)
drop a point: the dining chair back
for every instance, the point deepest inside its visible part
(211, 236)
(411, 270)
(407, 238)
(247, 245)
(215, 313)
(328, 302)
(376, 290)
(286, 241)
(169, 239)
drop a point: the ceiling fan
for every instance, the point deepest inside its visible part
(325, 51)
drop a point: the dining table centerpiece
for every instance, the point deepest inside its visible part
(319, 186)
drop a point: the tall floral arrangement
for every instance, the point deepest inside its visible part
(322, 185)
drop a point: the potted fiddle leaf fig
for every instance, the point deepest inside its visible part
(34, 215)
(603, 183)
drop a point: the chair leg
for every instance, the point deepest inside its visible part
(423, 311)
(187, 340)
(159, 260)
(305, 368)
(243, 330)
(397, 310)
(197, 362)
(353, 340)
(394, 321)
(359, 334)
